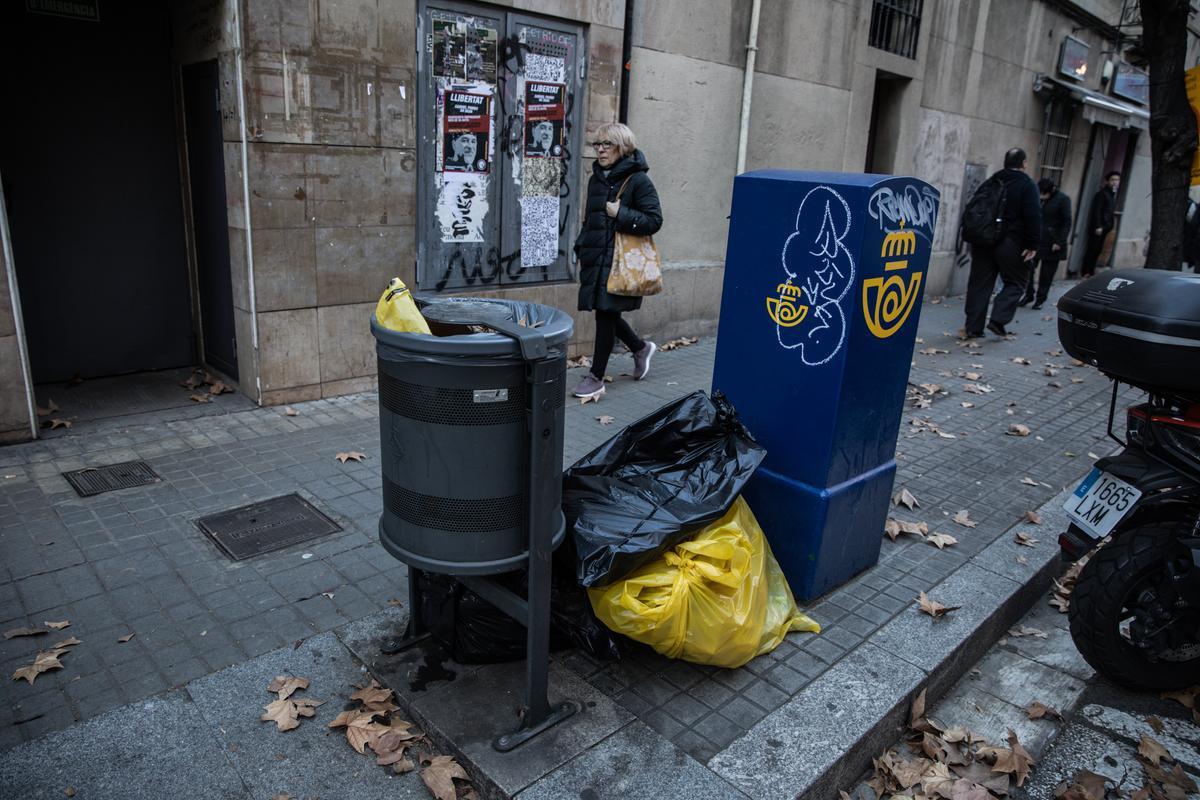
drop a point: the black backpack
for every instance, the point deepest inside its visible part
(983, 218)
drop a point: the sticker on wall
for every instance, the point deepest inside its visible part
(545, 112)
(466, 131)
(550, 69)
(462, 206)
(541, 177)
(449, 48)
(481, 54)
(539, 231)
(818, 271)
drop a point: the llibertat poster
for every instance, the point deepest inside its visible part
(545, 112)
(466, 130)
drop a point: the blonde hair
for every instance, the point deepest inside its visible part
(626, 141)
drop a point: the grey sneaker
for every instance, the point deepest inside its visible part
(641, 360)
(590, 386)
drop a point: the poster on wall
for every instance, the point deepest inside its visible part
(481, 54)
(449, 48)
(545, 112)
(466, 131)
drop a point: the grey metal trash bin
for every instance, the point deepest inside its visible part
(471, 443)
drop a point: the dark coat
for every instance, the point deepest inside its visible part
(1022, 209)
(1104, 206)
(1056, 226)
(640, 213)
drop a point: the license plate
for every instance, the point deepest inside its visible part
(1100, 502)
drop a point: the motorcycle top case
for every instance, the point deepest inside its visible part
(1140, 326)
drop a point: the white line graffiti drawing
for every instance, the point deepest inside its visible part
(824, 270)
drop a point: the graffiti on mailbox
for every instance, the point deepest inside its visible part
(888, 299)
(807, 310)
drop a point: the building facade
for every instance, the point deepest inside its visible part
(233, 182)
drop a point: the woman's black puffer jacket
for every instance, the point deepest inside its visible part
(640, 214)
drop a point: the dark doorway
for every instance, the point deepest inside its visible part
(884, 134)
(206, 176)
(1109, 150)
(89, 157)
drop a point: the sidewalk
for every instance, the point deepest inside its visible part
(133, 561)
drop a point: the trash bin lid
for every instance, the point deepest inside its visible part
(554, 324)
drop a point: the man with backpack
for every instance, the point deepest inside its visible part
(1003, 223)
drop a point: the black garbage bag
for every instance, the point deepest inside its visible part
(473, 631)
(655, 483)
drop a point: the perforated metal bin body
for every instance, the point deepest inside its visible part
(454, 416)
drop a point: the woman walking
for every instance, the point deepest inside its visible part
(620, 197)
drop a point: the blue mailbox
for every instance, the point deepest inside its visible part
(823, 281)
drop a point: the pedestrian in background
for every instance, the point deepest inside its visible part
(620, 197)
(1101, 218)
(1056, 224)
(1009, 258)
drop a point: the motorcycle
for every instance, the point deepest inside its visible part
(1135, 607)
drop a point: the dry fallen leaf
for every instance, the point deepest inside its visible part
(1155, 723)
(1021, 360)
(58, 626)
(1083, 785)
(67, 643)
(375, 697)
(291, 412)
(933, 608)
(964, 518)
(977, 388)
(50, 408)
(1185, 697)
(1036, 710)
(905, 498)
(1018, 429)
(44, 661)
(14, 632)
(1029, 481)
(1024, 538)
(1151, 750)
(965, 404)
(931, 351)
(1015, 761)
(1050, 372)
(941, 540)
(605, 419)
(286, 685)
(219, 388)
(351, 456)
(394, 602)
(283, 713)
(55, 422)
(1076, 380)
(595, 398)
(125, 638)
(360, 726)
(1025, 630)
(201, 398)
(439, 772)
(682, 341)
(1032, 516)
(1022, 560)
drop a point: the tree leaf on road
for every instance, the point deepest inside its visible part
(126, 637)
(592, 399)
(439, 773)
(933, 608)
(1018, 429)
(605, 419)
(1025, 630)
(1032, 517)
(1155, 723)
(1025, 539)
(201, 398)
(1021, 360)
(965, 404)
(291, 412)
(282, 713)
(50, 408)
(44, 661)
(963, 518)
(1029, 481)
(14, 632)
(941, 540)
(55, 422)
(905, 498)
(350, 456)
(58, 626)
(1152, 751)
(1036, 710)
(286, 685)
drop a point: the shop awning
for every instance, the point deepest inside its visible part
(1097, 107)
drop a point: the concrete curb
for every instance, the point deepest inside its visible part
(825, 737)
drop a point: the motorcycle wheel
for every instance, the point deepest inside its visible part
(1117, 596)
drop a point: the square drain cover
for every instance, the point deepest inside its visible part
(95, 480)
(267, 526)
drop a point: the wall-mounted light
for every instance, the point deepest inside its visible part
(1106, 73)
(1073, 60)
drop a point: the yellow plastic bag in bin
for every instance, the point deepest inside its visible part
(398, 311)
(718, 598)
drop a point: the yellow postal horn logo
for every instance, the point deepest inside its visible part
(888, 300)
(784, 310)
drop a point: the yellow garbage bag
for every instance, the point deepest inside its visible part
(719, 598)
(398, 311)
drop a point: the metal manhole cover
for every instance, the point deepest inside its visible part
(267, 526)
(95, 480)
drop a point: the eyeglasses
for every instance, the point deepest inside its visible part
(605, 145)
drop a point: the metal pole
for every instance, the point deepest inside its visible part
(748, 87)
(626, 62)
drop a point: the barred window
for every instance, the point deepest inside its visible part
(896, 26)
